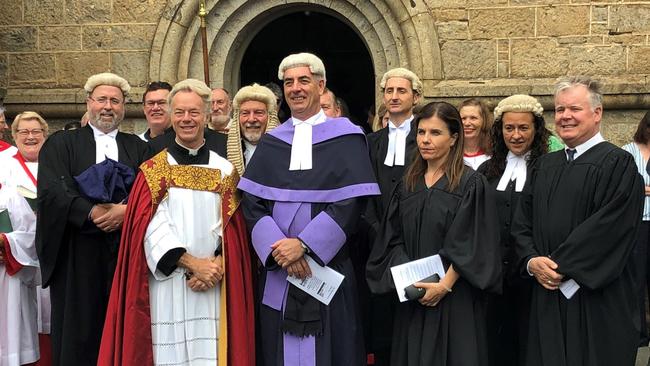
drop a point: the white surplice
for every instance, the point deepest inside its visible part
(18, 296)
(15, 176)
(184, 323)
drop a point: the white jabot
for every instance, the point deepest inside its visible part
(397, 142)
(582, 148)
(248, 151)
(105, 145)
(515, 170)
(301, 144)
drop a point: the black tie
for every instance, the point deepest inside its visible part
(570, 153)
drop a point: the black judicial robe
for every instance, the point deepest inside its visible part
(584, 216)
(214, 141)
(380, 309)
(77, 259)
(508, 312)
(461, 226)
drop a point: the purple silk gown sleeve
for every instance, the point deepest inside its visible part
(264, 234)
(324, 237)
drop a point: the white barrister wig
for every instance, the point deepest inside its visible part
(314, 63)
(518, 103)
(407, 74)
(107, 78)
(251, 92)
(255, 92)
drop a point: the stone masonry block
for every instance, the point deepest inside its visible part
(563, 21)
(501, 23)
(73, 68)
(31, 66)
(87, 11)
(452, 30)
(538, 58)
(133, 66)
(469, 59)
(18, 39)
(11, 12)
(61, 38)
(597, 60)
(639, 60)
(142, 11)
(43, 11)
(630, 18)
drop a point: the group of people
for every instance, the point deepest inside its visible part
(196, 242)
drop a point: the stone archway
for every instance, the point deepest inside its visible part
(394, 33)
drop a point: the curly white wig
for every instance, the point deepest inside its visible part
(518, 103)
(312, 61)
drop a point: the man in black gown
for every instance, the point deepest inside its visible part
(390, 152)
(76, 239)
(576, 224)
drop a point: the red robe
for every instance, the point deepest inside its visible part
(126, 339)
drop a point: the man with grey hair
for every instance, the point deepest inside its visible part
(221, 108)
(79, 224)
(184, 248)
(6, 149)
(329, 104)
(304, 191)
(254, 114)
(574, 229)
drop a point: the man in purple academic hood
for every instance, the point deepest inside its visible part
(303, 194)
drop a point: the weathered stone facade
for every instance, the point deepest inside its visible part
(461, 48)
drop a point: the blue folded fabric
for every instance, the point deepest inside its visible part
(107, 182)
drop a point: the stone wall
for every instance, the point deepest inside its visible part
(486, 48)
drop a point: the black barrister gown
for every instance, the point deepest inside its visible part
(379, 309)
(508, 312)
(77, 259)
(462, 227)
(584, 215)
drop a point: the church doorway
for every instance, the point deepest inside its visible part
(350, 73)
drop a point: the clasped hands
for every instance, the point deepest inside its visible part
(204, 273)
(289, 254)
(108, 216)
(544, 270)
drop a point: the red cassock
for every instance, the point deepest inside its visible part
(127, 339)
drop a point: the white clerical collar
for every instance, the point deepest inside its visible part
(582, 148)
(301, 144)
(515, 170)
(98, 133)
(396, 151)
(191, 152)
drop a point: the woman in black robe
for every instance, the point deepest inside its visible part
(519, 136)
(442, 207)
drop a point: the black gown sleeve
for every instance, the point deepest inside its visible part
(471, 243)
(597, 250)
(388, 249)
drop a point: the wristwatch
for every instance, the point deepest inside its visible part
(304, 246)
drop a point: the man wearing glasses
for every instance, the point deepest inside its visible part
(77, 237)
(154, 104)
(6, 149)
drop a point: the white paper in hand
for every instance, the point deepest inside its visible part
(322, 284)
(406, 274)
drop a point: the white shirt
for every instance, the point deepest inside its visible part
(582, 148)
(248, 151)
(105, 144)
(515, 170)
(301, 144)
(397, 142)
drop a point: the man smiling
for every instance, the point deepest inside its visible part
(154, 105)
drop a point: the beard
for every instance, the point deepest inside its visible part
(105, 126)
(219, 122)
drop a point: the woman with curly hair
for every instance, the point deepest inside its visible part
(477, 122)
(519, 136)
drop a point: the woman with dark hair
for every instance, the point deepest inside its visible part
(441, 207)
(519, 136)
(477, 123)
(640, 149)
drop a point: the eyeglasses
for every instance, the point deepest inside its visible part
(152, 103)
(25, 132)
(104, 100)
